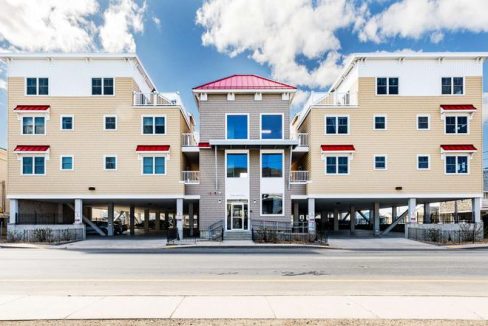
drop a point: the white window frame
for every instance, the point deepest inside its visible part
(468, 119)
(417, 162)
(105, 124)
(452, 85)
(380, 116)
(428, 121)
(153, 156)
(282, 204)
(336, 116)
(33, 124)
(103, 91)
(116, 162)
(37, 87)
(387, 86)
(154, 116)
(457, 155)
(248, 124)
(61, 163)
(374, 162)
(337, 163)
(72, 122)
(261, 125)
(33, 165)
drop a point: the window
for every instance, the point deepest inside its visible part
(272, 165)
(110, 122)
(67, 122)
(271, 126)
(337, 165)
(33, 125)
(237, 165)
(33, 165)
(380, 122)
(336, 125)
(452, 85)
(37, 86)
(456, 164)
(67, 163)
(380, 162)
(110, 163)
(272, 204)
(386, 86)
(423, 162)
(457, 124)
(102, 86)
(154, 125)
(154, 165)
(423, 122)
(237, 125)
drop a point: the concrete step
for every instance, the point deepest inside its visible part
(237, 235)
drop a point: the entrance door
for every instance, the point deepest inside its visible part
(237, 214)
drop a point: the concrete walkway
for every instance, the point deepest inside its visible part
(272, 307)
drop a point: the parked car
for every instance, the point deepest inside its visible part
(119, 228)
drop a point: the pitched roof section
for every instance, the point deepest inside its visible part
(244, 82)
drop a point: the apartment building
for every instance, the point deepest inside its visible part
(245, 153)
(394, 130)
(88, 131)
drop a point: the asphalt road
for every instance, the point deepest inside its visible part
(244, 272)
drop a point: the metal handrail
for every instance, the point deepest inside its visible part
(302, 139)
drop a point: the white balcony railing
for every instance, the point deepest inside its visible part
(338, 99)
(190, 177)
(188, 140)
(299, 176)
(150, 99)
(302, 139)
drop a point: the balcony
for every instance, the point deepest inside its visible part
(299, 177)
(340, 99)
(190, 177)
(302, 139)
(188, 140)
(151, 99)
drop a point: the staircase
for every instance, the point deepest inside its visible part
(237, 235)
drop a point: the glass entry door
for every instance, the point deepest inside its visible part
(237, 218)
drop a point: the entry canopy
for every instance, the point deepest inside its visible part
(458, 107)
(32, 108)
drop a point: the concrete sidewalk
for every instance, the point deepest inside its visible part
(252, 307)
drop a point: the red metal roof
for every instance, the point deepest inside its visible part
(334, 148)
(458, 147)
(458, 107)
(152, 148)
(204, 145)
(31, 148)
(243, 82)
(31, 108)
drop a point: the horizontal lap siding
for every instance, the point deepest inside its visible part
(401, 142)
(88, 143)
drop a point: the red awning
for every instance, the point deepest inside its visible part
(337, 148)
(458, 107)
(204, 145)
(459, 148)
(31, 148)
(152, 148)
(32, 108)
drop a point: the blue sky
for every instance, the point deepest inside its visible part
(301, 42)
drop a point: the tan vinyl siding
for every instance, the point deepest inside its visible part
(402, 142)
(88, 143)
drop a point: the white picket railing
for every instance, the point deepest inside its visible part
(190, 177)
(188, 140)
(299, 176)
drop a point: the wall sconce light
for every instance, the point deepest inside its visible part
(398, 188)
(220, 201)
(91, 188)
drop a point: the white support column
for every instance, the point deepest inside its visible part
(376, 219)
(476, 207)
(394, 213)
(311, 208)
(146, 220)
(336, 219)
(412, 210)
(78, 211)
(456, 212)
(427, 212)
(352, 218)
(14, 210)
(110, 219)
(179, 217)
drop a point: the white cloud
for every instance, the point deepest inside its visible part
(417, 18)
(156, 21)
(122, 19)
(281, 34)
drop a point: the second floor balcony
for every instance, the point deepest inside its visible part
(190, 177)
(299, 177)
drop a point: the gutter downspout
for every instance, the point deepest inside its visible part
(216, 165)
